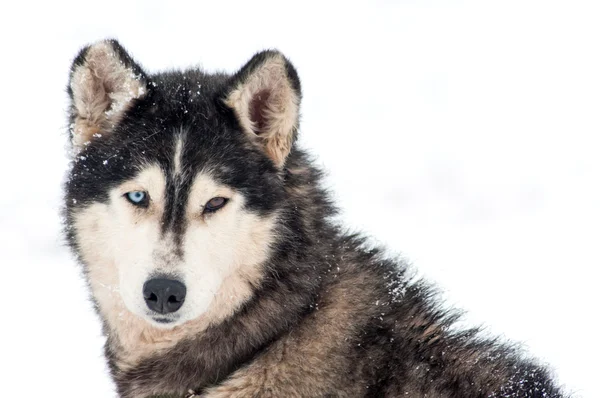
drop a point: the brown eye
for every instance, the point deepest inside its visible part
(215, 204)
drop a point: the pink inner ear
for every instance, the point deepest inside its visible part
(258, 110)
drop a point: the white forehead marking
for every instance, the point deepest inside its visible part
(178, 154)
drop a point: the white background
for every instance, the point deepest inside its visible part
(461, 134)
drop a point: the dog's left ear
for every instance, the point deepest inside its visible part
(265, 96)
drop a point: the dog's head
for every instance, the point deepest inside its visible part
(176, 186)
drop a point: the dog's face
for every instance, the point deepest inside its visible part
(176, 188)
(163, 242)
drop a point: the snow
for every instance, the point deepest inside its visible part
(463, 134)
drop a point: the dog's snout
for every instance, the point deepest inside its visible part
(164, 295)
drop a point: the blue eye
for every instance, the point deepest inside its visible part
(138, 198)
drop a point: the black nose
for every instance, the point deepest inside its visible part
(164, 295)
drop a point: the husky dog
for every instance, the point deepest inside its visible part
(208, 244)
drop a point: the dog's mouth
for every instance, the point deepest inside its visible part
(162, 321)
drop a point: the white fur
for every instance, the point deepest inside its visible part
(178, 154)
(122, 247)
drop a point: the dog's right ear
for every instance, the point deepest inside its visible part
(104, 83)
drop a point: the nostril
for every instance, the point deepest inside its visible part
(164, 295)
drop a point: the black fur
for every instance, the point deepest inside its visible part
(401, 342)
